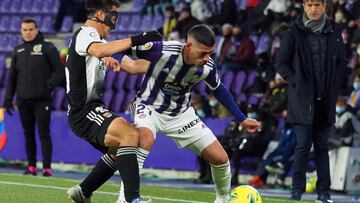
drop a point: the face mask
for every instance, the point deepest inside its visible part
(358, 51)
(252, 115)
(340, 109)
(213, 102)
(356, 85)
(200, 113)
(110, 19)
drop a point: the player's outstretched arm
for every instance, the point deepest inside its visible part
(134, 66)
(222, 94)
(100, 50)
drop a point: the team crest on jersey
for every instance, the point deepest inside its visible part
(92, 34)
(146, 46)
(142, 115)
(37, 50)
(107, 114)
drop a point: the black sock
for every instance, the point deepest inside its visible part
(103, 171)
(126, 161)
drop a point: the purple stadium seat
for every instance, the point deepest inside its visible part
(67, 24)
(137, 5)
(38, 19)
(2, 74)
(50, 6)
(131, 82)
(146, 23)
(120, 80)
(3, 43)
(2, 96)
(5, 23)
(135, 22)
(250, 79)
(37, 6)
(5, 6)
(108, 94)
(158, 22)
(128, 99)
(263, 44)
(254, 99)
(228, 78)
(13, 41)
(15, 24)
(238, 85)
(123, 22)
(26, 6)
(109, 79)
(47, 24)
(2, 61)
(117, 101)
(58, 98)
(15, 6)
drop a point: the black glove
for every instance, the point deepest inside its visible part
(8, 105)
(145, 37)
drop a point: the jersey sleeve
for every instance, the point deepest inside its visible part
(213, 79)
(148, 51)
(84, 39)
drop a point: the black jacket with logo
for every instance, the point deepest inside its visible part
(35, 70)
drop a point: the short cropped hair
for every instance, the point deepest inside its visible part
(322, 1)
(29, 20)
(92, 6)
(203, 34)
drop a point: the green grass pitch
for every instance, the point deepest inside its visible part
(17, 188)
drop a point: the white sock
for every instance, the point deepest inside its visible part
(142, 154)
(221, 176)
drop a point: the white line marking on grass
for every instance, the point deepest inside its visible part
(99, 192)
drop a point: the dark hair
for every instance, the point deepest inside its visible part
(94, 5)
(322, 1)
(203, 34)
(29, 20)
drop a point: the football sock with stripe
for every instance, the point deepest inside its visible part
(103, 171)
(126, 161)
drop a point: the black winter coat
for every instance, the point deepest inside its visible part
(294, 63)
(35, 70)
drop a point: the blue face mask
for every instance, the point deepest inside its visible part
(340, 109)
(356, 85)
(252, 115)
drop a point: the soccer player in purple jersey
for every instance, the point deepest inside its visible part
(163, 102)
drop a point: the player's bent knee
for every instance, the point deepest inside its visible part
(220, 159)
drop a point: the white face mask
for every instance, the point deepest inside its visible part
(200, 113)
(213, 102)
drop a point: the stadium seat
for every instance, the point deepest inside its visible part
(4, 78)
(50, 6)
(58, 97)
(37, 6)
(15, 24)
(123, 22)
(2, 61)
(5, 6)
(13, 41)
(109, 79)
(130, 83)
(128, 99)
(146, 23)
(227, 78)
(250, 79)
(238, 85)
(107, 97)
(117, 101)
(135, 23)
(3, 43)
(120, 80)
(26, 6)
(15, 6)
(158, 22)
(5, 23)
(47, 25)
(67, 24)
(38, 19)
(137, 5)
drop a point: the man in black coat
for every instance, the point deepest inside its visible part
(311, 58)
(35, 70)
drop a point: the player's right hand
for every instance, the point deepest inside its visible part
(250, 125)
(145, 37)
(112, 63)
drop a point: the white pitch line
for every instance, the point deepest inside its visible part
(99, 192)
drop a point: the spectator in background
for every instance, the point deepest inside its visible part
(224, 11)
(185, 22)
(170, 21)
(354, 99)
(311, 58)
(239, 52)
(226, 36)
(34, 72)
(199, 10)
(278, 96)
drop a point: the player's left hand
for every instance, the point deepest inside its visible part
(112, 63)
(250, 125)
